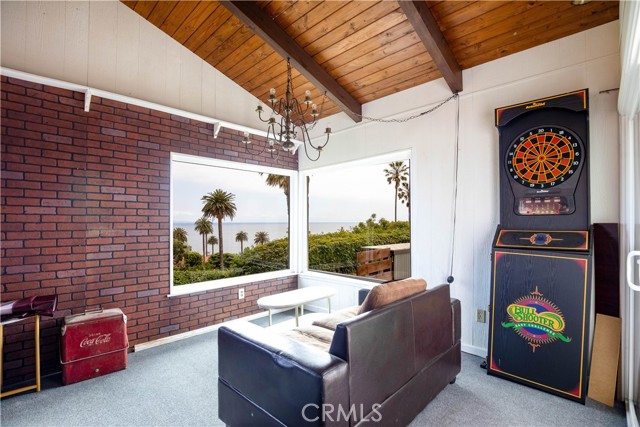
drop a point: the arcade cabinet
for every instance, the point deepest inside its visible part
(541, 255)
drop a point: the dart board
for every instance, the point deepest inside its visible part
(544, 157)
(544, 172)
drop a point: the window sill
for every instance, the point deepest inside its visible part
(226, 283)
(337, 279)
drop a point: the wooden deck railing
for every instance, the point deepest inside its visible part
(375, 263)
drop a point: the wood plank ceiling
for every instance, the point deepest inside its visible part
(368, 48)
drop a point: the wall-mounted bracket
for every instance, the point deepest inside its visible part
(87, 100)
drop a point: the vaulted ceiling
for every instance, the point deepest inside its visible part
(360, 51)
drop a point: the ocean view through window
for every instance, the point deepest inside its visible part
(372, 198)
(228, 221)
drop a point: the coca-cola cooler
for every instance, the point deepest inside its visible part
(93, 344)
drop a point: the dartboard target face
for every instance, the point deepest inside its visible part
(544, 157)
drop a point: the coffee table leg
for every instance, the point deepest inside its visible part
(296, 310)
(329, 303)
(269, 317)
(302, 310)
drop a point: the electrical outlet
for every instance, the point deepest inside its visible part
(481, 315)
(241, 293)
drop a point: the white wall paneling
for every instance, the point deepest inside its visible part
(210, 93)
(151, 63)
(172, 76)
(129, 54)
(105, 45)
(190, 81)
(76, 49)
(45, 44)
(14, 34)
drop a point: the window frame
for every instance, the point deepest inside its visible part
(239, 280)
(303, 242)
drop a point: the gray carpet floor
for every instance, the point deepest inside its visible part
(175, 385)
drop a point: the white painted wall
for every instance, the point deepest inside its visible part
(106, 45)
(586, 60)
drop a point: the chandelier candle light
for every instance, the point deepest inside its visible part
(293, 119)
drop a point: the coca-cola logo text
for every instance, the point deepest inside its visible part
(95, 339)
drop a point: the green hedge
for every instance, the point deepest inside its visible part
(271, 256)
(336, 252)
(331, 252)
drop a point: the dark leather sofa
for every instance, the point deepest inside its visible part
(383, 367)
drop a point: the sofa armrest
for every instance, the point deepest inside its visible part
(455, 319)
(264, 376)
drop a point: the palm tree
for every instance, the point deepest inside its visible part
(180, 234)
(282, 182)
(261, 238)
(204, 227)
(219, 204)
(213, 241)
(397, 173)
(404, 194)
(241, 236)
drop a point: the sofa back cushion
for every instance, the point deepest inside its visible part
(386, 293)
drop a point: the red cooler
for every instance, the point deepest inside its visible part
(93, 344)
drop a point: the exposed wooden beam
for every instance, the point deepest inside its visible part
(427, 29)
(262, 25)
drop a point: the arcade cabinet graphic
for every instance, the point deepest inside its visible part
(541, 254)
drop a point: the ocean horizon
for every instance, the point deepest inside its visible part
(276, 230)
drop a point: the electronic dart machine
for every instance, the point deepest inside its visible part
(541, 256)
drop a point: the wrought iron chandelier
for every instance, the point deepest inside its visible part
(294, 121)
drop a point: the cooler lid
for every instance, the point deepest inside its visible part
(94, 315)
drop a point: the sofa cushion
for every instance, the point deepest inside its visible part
(330, 320)
(311, 335)
(387, 293)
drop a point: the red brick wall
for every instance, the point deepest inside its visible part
(85, 215)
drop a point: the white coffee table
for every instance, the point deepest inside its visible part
(296, 298)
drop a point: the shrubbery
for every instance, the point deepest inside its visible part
(336, 252)
(230, 260)
(331, 252)
(192, 259)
